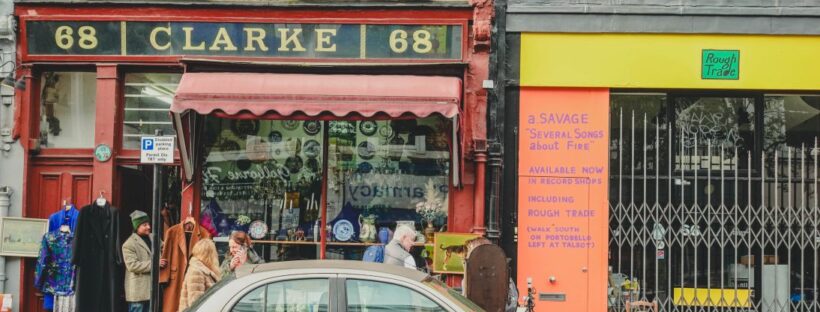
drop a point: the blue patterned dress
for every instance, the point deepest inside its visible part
(55, 272)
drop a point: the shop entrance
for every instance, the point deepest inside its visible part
(135, 193)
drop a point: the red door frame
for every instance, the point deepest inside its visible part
(467, 200)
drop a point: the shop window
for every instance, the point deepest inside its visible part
(148, 96)
(67, 112)
(790, 120)
(711, 200)
(266, 177)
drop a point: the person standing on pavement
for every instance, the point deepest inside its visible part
(239, 253)
(203, 273)
(136, 253)
(397, 251)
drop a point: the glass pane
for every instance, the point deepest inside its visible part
(148, 96)
(377, 296)
(252, 302)
(67, 114)
(298, 296)
(264, 176)
(790, 120)
(723, 122)
(386, 171)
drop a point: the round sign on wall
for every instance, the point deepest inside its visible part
(102, 152)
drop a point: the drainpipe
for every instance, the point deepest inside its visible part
(480, 159)
(5, 203)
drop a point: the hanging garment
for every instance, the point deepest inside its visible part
(55, 221)
(54, 274)
(177, 250)
(64, 217)
(98, 260)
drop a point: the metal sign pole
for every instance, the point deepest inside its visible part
(156, 225)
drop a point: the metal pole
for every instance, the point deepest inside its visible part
(5, 203)
(156, 224)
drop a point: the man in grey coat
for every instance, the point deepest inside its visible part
(397, 251)
(136, 253)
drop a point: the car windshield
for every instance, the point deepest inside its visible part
(451, 294)
(224, 281)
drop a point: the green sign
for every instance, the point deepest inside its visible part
(720, 64)
(280, 40)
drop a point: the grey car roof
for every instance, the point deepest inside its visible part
(333, 265)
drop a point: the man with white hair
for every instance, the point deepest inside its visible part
(397, 252)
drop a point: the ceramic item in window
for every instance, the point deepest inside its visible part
(275, 137)
(312, 148)
(343, 230)
(366, 150)
(367, 228)
(368, 127)
(290, 124)
(365, 167)
(258, 229)
(244, 127)
(312, 127)
(386, 131)
(294, 164)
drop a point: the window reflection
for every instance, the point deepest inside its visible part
(67, 109)
(265, 177)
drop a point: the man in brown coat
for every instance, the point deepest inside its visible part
(177, 250)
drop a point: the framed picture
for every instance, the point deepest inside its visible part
(21, 237)
(449, 251)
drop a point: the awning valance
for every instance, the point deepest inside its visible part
(275, 96)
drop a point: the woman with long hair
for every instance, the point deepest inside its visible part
(203, 272)
(239, 253)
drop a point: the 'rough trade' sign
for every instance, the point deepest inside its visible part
(720, 64)
(301, 41)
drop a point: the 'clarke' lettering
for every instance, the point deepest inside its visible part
(253, 39)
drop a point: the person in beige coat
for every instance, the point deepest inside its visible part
(136, 253)
(203, 273)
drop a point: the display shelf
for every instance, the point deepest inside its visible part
(285, 242)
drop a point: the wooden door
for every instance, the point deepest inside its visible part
(48, 186)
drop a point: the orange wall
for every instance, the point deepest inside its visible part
(562, 196)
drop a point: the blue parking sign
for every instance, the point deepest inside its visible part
(147, 144)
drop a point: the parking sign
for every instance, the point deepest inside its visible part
(157, 150)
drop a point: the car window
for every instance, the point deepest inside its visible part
(372, 296)
(454, 296)
(307, 295)
(199, 302)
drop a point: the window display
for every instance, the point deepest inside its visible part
(266, 177)
(66, 111)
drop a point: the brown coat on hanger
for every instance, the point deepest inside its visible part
(175, 251)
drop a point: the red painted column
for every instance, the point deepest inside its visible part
(476, 103)
(105, 128)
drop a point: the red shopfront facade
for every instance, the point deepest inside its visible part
(296, 117)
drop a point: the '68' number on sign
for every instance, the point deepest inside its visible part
(86, 37)
(421, 41)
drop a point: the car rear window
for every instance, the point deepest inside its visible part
(453, 295)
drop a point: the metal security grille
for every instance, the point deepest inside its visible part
(708, 211)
